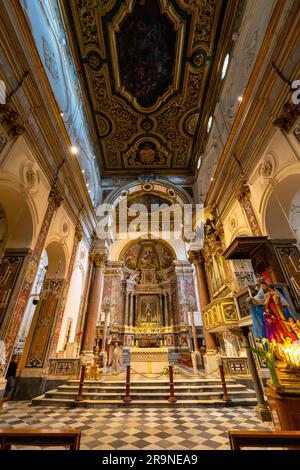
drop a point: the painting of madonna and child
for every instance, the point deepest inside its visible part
(273, 319)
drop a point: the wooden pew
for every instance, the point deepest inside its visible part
(279, 439)
(41, 438)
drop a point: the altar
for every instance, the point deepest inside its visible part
(149, 360)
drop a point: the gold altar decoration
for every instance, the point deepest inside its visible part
(93, 371)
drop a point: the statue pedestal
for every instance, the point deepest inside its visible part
(197, 360)
(211, 362)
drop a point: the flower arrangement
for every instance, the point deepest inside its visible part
(267, 352)
(166, 370)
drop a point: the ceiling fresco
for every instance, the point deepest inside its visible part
(149, 71)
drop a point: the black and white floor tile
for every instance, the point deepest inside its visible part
(138, 429)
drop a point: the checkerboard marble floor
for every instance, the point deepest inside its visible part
(137, 429)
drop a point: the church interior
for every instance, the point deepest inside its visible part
(150, 223)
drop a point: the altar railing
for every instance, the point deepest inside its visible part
(235, 365)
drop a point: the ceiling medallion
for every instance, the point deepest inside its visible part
(147, 124)
(93, 59)
(199, 58)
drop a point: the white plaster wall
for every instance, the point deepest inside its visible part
(75, 294)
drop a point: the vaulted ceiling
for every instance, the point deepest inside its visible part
(150, 72)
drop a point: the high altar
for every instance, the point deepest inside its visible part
(153, 293)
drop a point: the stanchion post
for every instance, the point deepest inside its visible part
(171, 398)
(226, 397)
(79, 396)
(127, 398)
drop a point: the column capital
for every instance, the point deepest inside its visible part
(78, 233)
(55, 197)
(99, 258)
(243, 194)
(196, 257)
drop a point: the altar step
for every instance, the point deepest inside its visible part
(189, 393)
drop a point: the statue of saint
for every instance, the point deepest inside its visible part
(117, 359)
(271, 315)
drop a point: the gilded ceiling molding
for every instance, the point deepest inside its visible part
(147, 66)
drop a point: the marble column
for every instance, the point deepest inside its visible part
(54, 201)
(60, 314)
(161, 309)
(211, 355)
(126, 309)
(243, 195)
(98, 259)
(103, 352)
(262, 409)
(131, 309)
(170, 308)
(166, 312)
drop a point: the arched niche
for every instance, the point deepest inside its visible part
(278, 217)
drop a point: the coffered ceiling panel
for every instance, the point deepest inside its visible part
(149, 71)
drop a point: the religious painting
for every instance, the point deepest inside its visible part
(9, 270)
(148, 258)
(146, 46)
(149, 309)
(289, 258)
(131, 257)
(242, 303)
(165, 256)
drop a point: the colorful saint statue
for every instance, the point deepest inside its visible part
(271, 315)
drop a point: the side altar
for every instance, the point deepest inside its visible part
(149, 361)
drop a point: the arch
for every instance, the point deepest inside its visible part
(117, 248)
(158, 188)
(57, 259)
(277, 207)
(20, 220)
